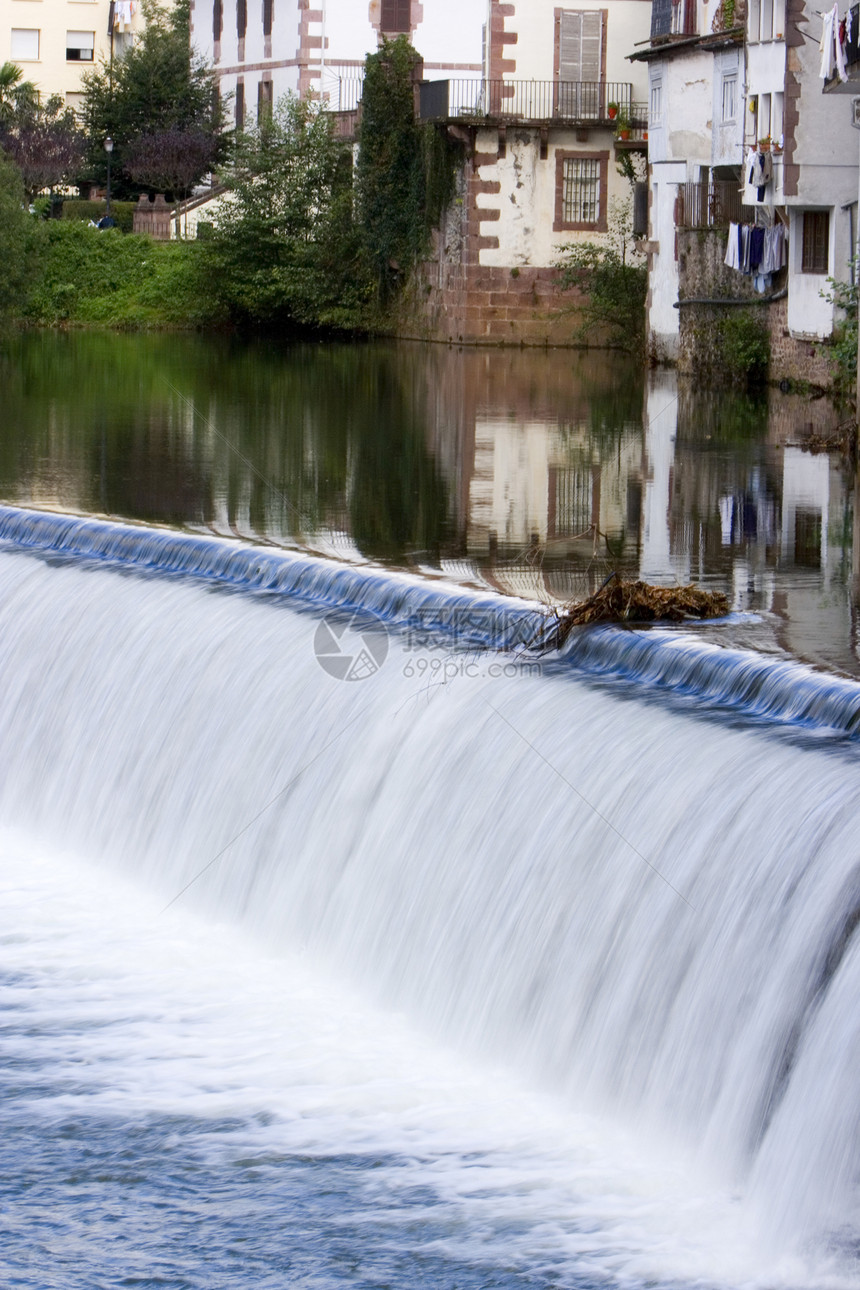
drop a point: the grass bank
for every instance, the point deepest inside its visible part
(86, 277)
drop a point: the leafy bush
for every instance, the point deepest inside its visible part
(123, 212)
(284, 248)
(18, 234)
(844, 345)
(102, 277)
(614, 289)
(743, 347)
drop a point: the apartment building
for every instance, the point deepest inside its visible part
(55, 41)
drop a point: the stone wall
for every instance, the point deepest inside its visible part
(703, 273)
(455, 298)
(152, 217)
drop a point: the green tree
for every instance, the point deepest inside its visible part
(17, 232)
(45, 142)
(154, 88)
(284, 247)
(15, 93)
(612, 282)
(406, 171)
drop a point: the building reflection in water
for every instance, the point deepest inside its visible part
(535, 472)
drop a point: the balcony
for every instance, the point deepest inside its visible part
(575, 103)
(713, 205)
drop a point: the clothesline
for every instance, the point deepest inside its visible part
(756, 252)
(836, 36)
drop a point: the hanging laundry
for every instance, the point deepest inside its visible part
(828, 42)
(732, 258)
(757, 251)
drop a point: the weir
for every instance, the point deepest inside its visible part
(647, 912)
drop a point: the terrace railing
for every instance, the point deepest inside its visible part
(527, 102)
(712, 205)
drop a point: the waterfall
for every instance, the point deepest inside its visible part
(648, 911)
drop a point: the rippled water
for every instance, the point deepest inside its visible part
(535, 473)
(515, 980)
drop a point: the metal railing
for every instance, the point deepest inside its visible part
(713, 205)
(577, 102)
(342, 92)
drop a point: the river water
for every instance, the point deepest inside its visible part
(529, 970)
(537, 473)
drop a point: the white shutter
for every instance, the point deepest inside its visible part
(580, 45)
(25, 44)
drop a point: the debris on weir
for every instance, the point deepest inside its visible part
(618, 601)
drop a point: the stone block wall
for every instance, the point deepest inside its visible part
(457, 299)
(153, 217)
(703, 273)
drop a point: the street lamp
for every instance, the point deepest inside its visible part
(108, 150)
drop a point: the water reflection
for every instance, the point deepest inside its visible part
(534, 472)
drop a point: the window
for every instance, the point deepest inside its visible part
(25, 44)
(763, 118)
(580, 196)
(241, 18)
(217, 19)
(580, 62)
(80, 46)
(265, 92)
(767, 19)
(396, 16)
(580, 45)
(75, 101)
(815, 256)
(655, 112)
(730, 97)
(268, 5)
(240, 106)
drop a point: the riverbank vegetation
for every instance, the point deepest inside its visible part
(303, 237)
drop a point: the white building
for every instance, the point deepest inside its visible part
(55, 41)
(718, 85)
(262, 51)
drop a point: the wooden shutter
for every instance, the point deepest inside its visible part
(241, 18)
(580, 45)
(267, 17)
(397, 16)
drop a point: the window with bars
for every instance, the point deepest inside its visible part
(815, 254)
(580, 199)
(268, 6)
(396, 16)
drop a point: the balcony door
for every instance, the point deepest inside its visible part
(580, 64)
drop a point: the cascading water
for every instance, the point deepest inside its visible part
(624, 931)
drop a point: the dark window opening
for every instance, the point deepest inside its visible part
(268, 6)
(816, 242)
(265, 98)
(241, 18)
(217, 19)
(240, 107)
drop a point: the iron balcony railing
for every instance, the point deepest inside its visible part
(529, 102)
(713, 205)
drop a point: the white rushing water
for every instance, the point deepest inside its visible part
(509, 981)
